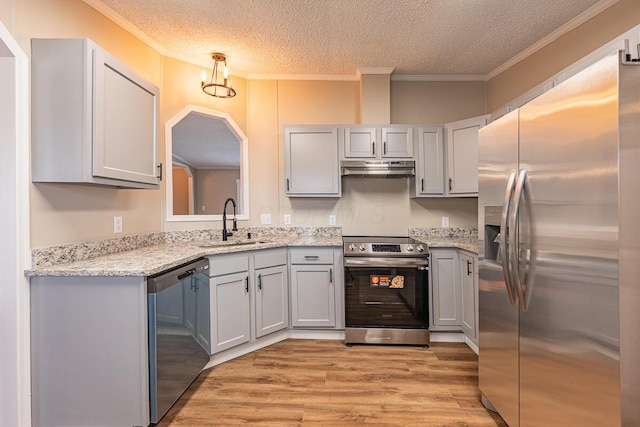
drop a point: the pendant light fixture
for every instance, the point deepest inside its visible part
(220, 83)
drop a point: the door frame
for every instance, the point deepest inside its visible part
(15, 394)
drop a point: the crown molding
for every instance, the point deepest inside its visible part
(438, 78)
(327, 77)
(375, 70)
(124, 23)
(575, 22)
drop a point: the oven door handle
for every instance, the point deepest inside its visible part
(386, 262)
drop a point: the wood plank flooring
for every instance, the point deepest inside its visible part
(325, 383)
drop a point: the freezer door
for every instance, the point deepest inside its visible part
(568, 234)
(498, 317)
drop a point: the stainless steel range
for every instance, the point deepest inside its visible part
(386, 298)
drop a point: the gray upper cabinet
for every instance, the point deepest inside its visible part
(429, 180)
(462, 156)
(311, 161)
(94, 120)
(378, 142)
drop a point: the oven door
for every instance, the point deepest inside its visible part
(386, 293)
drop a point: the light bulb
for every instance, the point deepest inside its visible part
(203, 76)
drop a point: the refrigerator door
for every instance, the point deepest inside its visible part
(569, 331)
(498, 314)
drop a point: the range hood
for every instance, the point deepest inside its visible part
(377, 168)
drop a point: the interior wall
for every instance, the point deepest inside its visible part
(181, 87)
(367, 206)
(213, 188)
(64, 213)
(562, 52)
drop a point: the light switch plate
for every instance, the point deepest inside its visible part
(445, 222)
(265, 219)
(287, 219)
(332, 220)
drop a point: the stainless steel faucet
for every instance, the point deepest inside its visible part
(226, 233)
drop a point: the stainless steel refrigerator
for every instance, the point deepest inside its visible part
(559, 249)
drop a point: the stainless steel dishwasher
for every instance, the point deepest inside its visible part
(179, 332)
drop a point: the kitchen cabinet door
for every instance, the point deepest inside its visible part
(397, 142)
(229, 311)
(313, 296)
(94, 120)
(311, 161)
(360, 142)
(445, 290)
(462, 156)
(429, 180)
(272, 300)
(469, 289)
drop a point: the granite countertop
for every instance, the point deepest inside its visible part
(153, 259)
(146, 255)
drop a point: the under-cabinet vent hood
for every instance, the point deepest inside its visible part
(378, 169)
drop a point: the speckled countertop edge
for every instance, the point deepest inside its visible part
(153, 259)
(153, 253)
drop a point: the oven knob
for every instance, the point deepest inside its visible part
(362, 247)
(420, 248)
(409, 248)
(352, 247)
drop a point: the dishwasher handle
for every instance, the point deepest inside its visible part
(161, 281)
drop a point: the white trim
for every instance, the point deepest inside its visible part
(375, 70)
(439, 78)
(574, 23)
(244, 164)
(127, 25)
(326, 77)
(21, 412)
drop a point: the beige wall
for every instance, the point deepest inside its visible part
(563, 52)
(213, 187)
(69, 213)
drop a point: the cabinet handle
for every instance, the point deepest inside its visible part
(260, 281)
(450, 182)
(422, 184)
(373, 147)
(468, 268)
(287, 184)
(159, 176)
(311, 257)
(384, 147)
(331, 275)
(246, 284)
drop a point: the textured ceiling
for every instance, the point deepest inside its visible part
(335, 37)
(193, 137)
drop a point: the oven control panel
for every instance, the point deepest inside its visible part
(384, 246)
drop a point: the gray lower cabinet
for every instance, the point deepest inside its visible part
(271, 292)
(229, 284)
(469, 289)
(445, 290)
(317, 289)
(89, 351)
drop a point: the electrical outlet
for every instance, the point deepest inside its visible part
(445, 222)
(287, 219)
(117, 224)
(265, 219)
(332, 220)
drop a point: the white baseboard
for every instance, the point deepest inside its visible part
(316, 335)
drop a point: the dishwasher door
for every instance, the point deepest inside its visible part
(178, 304)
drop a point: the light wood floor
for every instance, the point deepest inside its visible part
(325, 383)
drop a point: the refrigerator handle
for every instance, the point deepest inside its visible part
(508, 194)
(514, 261)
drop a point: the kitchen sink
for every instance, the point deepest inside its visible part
(230, 243)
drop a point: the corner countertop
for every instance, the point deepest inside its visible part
(455, 238)
(153, 259)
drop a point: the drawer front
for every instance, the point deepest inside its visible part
(312, 256)
(227, 264)
(270, 258)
